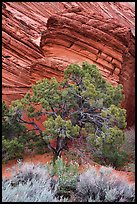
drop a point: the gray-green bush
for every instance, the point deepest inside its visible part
(33, 183)
(103, 187)
(129, 144)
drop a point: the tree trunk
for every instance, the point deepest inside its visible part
(60, 145)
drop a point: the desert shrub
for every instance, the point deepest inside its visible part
(28, 171)
(129, 144)
(115, 158)
(112, 158)
(35, 183)
(34, 191)
(16, 139)
(11, 130)
(106, 149)
(11, 149)
(40, 146)
(103, 186)
(67, 176)
(31, 184)
(11, 127)
(15, 148)
(129, 167)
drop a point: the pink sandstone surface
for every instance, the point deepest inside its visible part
(39, 39)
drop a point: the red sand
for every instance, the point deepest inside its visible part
(47, 157)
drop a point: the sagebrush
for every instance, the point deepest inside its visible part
(34, 183)
(103, 186)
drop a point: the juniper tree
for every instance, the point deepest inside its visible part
(84, 100)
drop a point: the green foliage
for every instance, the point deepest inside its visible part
(16, 139)
(111, 140)
(11, 130)
(11, 127)
(60, 127)
(11, 149)
(114, 158)
(107, 149)
(93, 80)
(67, 176)
(39, 146)
(84, 100)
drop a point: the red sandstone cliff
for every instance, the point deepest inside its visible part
(39, 39)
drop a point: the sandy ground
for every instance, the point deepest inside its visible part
(47, 157)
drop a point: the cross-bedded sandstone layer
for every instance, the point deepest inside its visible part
(40, 39)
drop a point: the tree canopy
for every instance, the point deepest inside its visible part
(84, 100)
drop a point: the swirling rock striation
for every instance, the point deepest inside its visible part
(40, 39)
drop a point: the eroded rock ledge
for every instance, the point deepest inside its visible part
(40, 39)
